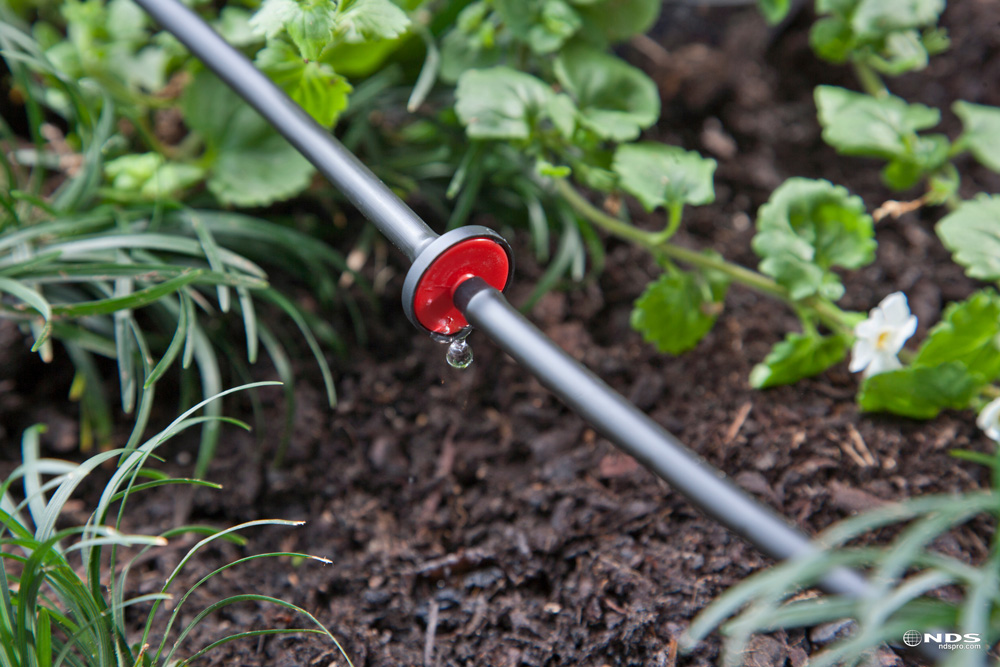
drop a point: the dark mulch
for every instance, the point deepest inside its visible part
(472, 519)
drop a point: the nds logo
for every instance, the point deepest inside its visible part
(946, 640)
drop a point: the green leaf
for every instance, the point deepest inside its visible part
(500, 103)
(464, 50)
(314, 85)
(969, 332)
(618, 20)
(150, 175)
(972, 233)
(676, 311)
(272, 16)
(943, 185)
(27, 295)
(546, 168)
(859, 124)
(808, 227)
(368, 20)
(310, 24)
(563, 114)
(927, 153)
(661, 175)
(362, 59)
(131, 172)
(234, 26)
(258, 168)
(556, 23)
(919, 392)
(981, 132)
(872, 19)
(904, 52)
(798, 356)
(616, 100)
(170, 178)
(885, 34)
(248, 162)
(831, 39)
(774, 11)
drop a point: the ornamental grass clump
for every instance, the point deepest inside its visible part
(64, 591)
(108, 250)
(904, 576)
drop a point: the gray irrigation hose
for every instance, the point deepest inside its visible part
(637, 434)
(369, 194)
(487, 309)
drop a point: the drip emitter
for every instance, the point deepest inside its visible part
(439, 270)
(458, 278)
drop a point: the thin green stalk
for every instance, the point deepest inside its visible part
(871, 82)
(829, 314)
(674, 213)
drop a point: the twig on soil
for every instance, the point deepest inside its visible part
(734, 428)
(859, 452)
(432, 621)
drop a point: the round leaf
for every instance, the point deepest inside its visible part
(972, 233)
(499, 103)
(807, 227)
(677, 310)
(616, 100)
(662, 175)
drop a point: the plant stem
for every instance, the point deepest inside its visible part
(829, 314)
(870, 80)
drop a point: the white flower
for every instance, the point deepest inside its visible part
(881, 336)
(989, 419)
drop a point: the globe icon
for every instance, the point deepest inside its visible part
(911, 638)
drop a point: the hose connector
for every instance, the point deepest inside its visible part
(443, 265)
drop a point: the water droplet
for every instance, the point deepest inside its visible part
(459, 354)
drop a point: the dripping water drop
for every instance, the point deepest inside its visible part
(459, 353)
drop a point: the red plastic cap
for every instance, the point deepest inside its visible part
(433, 302)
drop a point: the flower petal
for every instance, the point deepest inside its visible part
(908, 328)
(861, 354)
(989, 419)
(895, 309)
(867, 329)
(899, 335)
(882, 363)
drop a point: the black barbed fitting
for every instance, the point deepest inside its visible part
(442, 266)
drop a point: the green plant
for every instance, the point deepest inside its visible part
(547, 110)
(54, 610)
(904, 575)
(120, 266)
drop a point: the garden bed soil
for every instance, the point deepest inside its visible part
(471, 519)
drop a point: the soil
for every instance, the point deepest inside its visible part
(471, 519)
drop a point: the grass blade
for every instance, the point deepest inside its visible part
(136, 299)
(570, 246)
(83, 248)
(249, 314)
(252, 597)
(176, 343)
(293, 312)
(428, 73)
(276, 351)
(33, 299)
(124, 343)
(247, 634)
(213, 254)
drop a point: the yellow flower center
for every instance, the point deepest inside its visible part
(883, 339)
